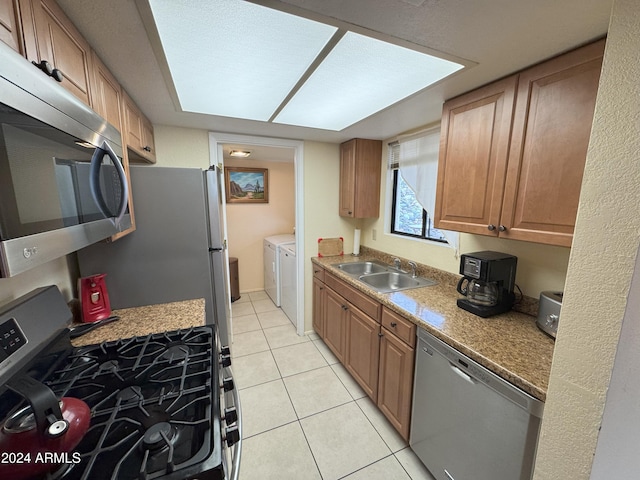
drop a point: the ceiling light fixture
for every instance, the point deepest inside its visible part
(302, 72)
(239, 153)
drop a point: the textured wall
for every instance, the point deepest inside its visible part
(181, 147)
(601, 264)
(617, 450)
(321, 191)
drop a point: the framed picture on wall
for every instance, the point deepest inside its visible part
(246, 185)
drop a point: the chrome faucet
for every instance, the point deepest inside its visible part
(396, 263)
(414, 267)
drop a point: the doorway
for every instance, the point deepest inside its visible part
(271, 149)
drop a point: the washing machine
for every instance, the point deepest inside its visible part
(271, 265)
(288, 281)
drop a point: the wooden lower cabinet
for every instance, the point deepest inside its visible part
(335, 323)
(318, 307)
(363, 348)
(379, 353)
(395, 381)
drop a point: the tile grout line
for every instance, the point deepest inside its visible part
(298, 419)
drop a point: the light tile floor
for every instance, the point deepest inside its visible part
(304, 416)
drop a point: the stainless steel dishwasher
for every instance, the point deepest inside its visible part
(468, 423)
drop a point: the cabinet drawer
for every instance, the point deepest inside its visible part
(363, 302)
(402, 328)
(318, 272)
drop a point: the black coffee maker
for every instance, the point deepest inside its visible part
(490, 278)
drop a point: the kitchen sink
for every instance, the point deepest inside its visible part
(387, 282)
(362, 268)
(383, 278)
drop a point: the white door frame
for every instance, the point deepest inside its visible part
(217, 139)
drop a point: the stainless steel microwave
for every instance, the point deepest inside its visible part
(62, 182)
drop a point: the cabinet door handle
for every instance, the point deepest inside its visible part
(394, 324)
(502, 228)
(146, 148)
(491, 227)
(344, 307)
(381, 334)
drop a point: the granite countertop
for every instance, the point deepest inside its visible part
(139, 321)
(510, 344)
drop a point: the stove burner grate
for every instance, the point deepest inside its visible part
(152, 404)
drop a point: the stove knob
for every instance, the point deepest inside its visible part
(232, 435)
(225, 360)
(230, 415)
(227, 384)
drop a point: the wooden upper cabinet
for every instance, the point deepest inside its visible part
(526, 186)
(107, 94)
(10, 32)
(138, 132)
(551, 129)
(360, 163)
(49, 35)
(474, 145)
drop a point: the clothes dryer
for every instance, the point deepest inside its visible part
(288, 282)
(272, 283)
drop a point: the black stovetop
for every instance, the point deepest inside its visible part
(153, 401)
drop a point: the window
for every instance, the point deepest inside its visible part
(407, 215)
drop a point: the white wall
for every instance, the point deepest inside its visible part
(181, 147)
(249, 224)
(321, 189)
(601, 266)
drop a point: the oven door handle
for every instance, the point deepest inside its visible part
(94, 180)
(237, 448)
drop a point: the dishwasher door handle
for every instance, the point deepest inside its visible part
(462, 375)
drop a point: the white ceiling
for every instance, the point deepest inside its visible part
(502, 36)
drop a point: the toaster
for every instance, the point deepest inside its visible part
(549, 312)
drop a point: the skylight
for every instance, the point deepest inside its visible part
(237, 59)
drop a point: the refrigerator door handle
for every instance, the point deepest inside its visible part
(216, 239)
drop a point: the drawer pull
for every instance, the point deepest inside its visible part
(394, 324)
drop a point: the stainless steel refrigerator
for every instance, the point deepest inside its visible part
(177, 251)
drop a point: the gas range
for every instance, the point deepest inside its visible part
(159, 406)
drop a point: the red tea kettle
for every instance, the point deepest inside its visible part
(94, 299)
(39, 434)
